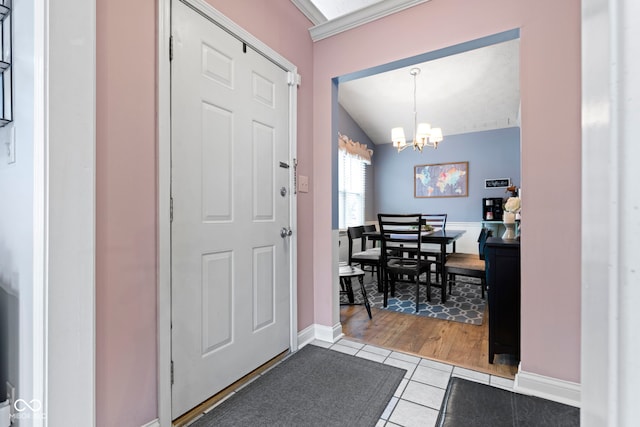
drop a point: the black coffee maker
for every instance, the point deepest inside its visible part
(492, 209)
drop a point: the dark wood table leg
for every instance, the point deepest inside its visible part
(443, 279)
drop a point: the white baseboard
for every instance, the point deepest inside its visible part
(154, 423)
(306, 335)
(561, 391)
(321, 333)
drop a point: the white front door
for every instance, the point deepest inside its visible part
(230, 274)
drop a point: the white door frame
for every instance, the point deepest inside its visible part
(62, 330)
(164, 186)
(610, 245)
(64, 125)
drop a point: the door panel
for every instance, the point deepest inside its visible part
(230, 267)
(217, 166)
(217, 300)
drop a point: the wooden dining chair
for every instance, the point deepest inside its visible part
(435, 220)
(370, 228)
(371, 245)
(432, 252)
(470, 265)
(359, 254)
(400, 241)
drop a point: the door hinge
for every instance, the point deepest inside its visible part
(295, 176)
(294, 79)
(171, 210)
(172, 372)
(170, 48)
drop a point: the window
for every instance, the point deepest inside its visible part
(351, 189)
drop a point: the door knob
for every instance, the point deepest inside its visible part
(285, 232)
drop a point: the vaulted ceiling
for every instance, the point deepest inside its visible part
(467, 92)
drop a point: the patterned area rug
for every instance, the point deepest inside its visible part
(465, 303)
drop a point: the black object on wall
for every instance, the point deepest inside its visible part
(492, 209)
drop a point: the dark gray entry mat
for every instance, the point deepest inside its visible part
(313, 387)
(470, 404)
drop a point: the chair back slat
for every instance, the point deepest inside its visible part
(369, 228)
(401, 240)
(400, 233)
(435, 220)
(354, 234)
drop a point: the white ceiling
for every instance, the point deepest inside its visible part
(468, 92)
(332, 9)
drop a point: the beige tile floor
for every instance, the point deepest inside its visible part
(417, 400)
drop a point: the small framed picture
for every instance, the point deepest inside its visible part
(497, 183)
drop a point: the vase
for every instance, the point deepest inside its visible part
(509, 221)
(510, 231)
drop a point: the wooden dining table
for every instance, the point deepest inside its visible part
(440, 237)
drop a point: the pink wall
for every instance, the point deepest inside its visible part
(126, 170)
(126, 264)
(550, 88)
(126, 368)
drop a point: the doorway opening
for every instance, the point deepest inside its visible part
(362, 106)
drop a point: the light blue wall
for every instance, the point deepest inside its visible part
(491, 154)
(347, 126)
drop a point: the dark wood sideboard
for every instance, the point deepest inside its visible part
(502, 258)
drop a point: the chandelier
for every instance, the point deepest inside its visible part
(423, 134)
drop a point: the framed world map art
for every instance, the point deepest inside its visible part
(441, 180)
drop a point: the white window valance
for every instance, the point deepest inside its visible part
(355, 148)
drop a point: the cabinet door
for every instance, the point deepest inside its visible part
(503, 270)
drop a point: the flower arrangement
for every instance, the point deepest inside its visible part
(512, 205)
(511, 208)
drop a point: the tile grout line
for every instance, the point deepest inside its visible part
(409, 380)
(451, 373)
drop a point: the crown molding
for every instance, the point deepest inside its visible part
(359, 17)
(310, 11)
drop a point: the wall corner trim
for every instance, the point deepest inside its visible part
(550, 388)
(306, 335)
(154, 423)
(329, 334)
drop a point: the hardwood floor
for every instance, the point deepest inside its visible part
(451, 342)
